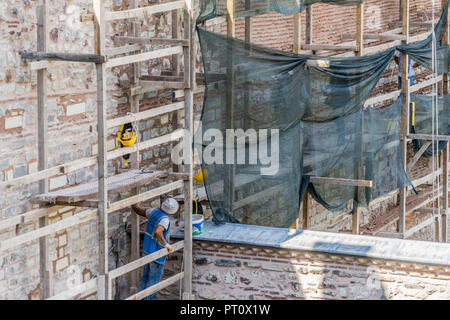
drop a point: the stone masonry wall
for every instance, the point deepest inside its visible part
(72, 120)
(231, 272)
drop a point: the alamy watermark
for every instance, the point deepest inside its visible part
(251, 147)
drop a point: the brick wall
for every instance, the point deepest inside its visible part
(72, 113)
(223, 271)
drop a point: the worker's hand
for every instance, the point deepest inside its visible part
(169, 248)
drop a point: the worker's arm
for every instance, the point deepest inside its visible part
(160, 237)
(140, 211)
(397, 60)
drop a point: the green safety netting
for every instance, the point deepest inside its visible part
(283, 120)
(421, 52)
(215, 8)
(423, 116)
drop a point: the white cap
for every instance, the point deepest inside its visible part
(170, 206)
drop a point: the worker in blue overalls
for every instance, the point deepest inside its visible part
(156, 237)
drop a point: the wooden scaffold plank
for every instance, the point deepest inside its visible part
(144, 11)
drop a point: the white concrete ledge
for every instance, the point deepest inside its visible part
(421, 252)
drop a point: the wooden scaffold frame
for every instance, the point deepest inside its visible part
(101, 207)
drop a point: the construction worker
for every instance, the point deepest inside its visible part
(411, 73)
(156, 237)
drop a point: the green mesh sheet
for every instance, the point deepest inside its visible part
(322, 129)
(423, 120)
(215, 8)
(422, 52)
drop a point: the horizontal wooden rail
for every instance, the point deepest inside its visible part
(174, 136)
(149, 85)
(144, 11)
(143, 261)
(52, 228)
(43, 174)
(145, 114)
(37, 65)
(421, 225)
(123, 49)
(396, 94)
(68, 294)
(70, 57)
(329, 47)
(155, 288)
(154, 41)
(153, 193)
(114, 62)
(417, 156)
(373, 36)
(31, 216)
(342, 182)
(429, 137)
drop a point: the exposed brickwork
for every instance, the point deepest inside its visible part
(71, 110)
(238, 272)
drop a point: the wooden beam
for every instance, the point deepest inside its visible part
(248, 13)
(154, 85)
(81, 288)
(395, 94)
(309, 27)
(329, 47)
(405, 113)
(144, 11)
(151, 194)
(429, 137)
(123, 49)
(143, 261)
(342, 182)
(40, 64)
(417, 156)
(42, 128)
(152, 41)
(445, 156)
(356, 217)
(297, 32)
(30, 216)
(157, 287)
(69, 57)
(102, 162)
(421, 225)
(189, 56)
(445, 205)
(177, 134)
(145, 114)
(49, 229)
(135, 73)
(373, 36)
(144, 56)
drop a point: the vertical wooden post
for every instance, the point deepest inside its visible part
(44, 263)
(175, 72)
(445, 156)
(305, 207)
(356, 218)
(309, 26)
(102, 160)
(189, 70)
(405, 114)
(229, 117)
(135, 69)
(297, 32)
